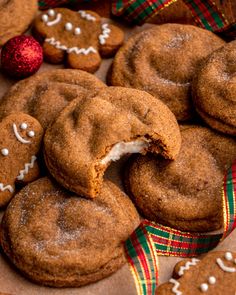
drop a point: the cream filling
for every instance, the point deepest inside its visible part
(122, 148)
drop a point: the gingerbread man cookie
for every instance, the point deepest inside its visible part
(20, 138)
(79, 37)
(215, 274)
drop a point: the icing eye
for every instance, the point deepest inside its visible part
(31, 133)
(5, 152)
(51, 12)
(204, 287)
(77, 31)
(23, 126)
(228, 256)
(68, 26)
(212, 280)
(44, 18)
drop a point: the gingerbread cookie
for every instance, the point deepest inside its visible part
(185, 193)
(79, 37)
(214, 89)
(215, 274)
(60, 239)
(44, 95)
(162, 61)
(15, 17)
(90, 134)
(20, 140)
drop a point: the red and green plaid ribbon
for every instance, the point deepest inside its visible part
(45, 4)
(205, 13)
(150, 240)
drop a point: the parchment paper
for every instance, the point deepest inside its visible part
(120, 283)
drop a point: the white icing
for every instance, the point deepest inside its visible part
(228, 256)
(31, 133)
(23, 126)
(26, 169)
(211, 280)
(193, 262)
(55, 21)
(224, 267)
(44, 18)
(68, 26)
(51, 12)
(21, 139)
(105, 34)
(7, 187)
(76, 50)
(176, 286)
(5, 152)
(122, 148)
(204, 287)
(86, 15)
(77, 31)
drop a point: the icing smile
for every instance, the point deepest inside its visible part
(23, 126)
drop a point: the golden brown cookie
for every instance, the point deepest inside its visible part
(79, 37)
(60, 239)
(90, 133)
(162, 61)
(214, 89)
(15, 17)
(20, 141)
(44, 95)
(215, 274)
(185, 193)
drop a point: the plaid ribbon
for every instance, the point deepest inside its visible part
(205, 13)
(150, 240)
(45, 4)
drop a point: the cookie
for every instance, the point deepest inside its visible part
(162, 61)
(44, 95)
(59, 239)
(79, 38)
(214, 88)
(20, 140)
(215, 274)
(186, 193)
(15, 17)
(90, 134)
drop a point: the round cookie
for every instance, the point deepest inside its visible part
(44, 95)
(15, 17)
(79, 37)
(214, 88)
(162, 61)
(186, 193)
(20, 141)
(89, 134)
(215, 274)
(62, 240)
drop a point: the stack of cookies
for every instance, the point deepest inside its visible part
(66, 223)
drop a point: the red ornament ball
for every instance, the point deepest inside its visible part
(21, 56)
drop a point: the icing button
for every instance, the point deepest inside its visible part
(31, 133)
(68, 26)
(228, 256)
(212, 280)
(204, 287)
(5, 152)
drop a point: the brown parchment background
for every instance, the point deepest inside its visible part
(120, 283)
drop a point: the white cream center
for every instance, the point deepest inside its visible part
(122, 148)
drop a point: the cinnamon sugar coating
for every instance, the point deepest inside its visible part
(214, 89)
(162, 61)
(60, 239)
(45, 94)
(185, 193)
(86, 131)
